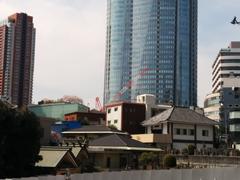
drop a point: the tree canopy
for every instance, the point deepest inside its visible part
(20, 134)
(64, 99)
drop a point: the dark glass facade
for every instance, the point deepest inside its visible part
(159, 54)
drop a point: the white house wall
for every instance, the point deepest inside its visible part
(165, 128)
(181, 146)
(204, 138)
(115, 116)
(182, 137)
(201, 146)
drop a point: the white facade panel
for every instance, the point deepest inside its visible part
(201, 137)
(182, 127)
(114, 116)
(165, 128)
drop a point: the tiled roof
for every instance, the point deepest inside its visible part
(121, 142)
(179, 115)
(95, 129)
(52, 156)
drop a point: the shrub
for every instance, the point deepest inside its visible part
(185, 151)
(169, 161)
(191, 148)
(148, 158)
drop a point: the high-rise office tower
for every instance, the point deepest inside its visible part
(151, 49)
(17, 43)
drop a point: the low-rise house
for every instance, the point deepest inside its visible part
(55, 160)
(115, 152)
(89, 132)
(177, 127)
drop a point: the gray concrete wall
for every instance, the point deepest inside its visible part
(172, 174)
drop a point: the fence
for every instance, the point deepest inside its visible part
(172, 174)
(208, 161)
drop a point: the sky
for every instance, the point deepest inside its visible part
(70, 44)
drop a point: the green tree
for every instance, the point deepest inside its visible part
(191, 148)
(20, 133)
(113, 127)
(148, 158)
(169, 161)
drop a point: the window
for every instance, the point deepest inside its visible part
(234, 127)
(109, 111)
(178, 131)
(184, 131)
(143, 98)
(115, 121)
(204, 132)
(191, 132)
(115, 109)
(109, 122)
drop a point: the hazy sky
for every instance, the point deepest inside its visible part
(70, 43)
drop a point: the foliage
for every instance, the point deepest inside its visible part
(148, 158)
(88, 167)
(185, 151)
(169, 161)
(113, 127)
(191, 148)
(20, 134)
(64, 99)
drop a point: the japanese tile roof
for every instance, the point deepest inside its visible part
(179, 115)
(52, 156)
(94, 129)
(124, 142)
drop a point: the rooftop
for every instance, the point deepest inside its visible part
(95, 129)
(53, 156)
(121, 142)
(179, 115)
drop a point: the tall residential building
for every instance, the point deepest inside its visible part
(17, 48)
(223, 104)
(225, 95)
(151, 49)
(226, 67)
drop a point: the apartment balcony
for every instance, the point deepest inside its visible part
(153, 138)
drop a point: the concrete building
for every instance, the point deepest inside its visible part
(46, 125)
(117, 152)
(223, 104)
(17, 50)
(176, 128)
(226, 68)
(212, 106)
(57, 110)
(151, 48)
(126, 116)
(152, 108)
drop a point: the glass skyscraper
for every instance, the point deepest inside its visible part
(152, 49)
